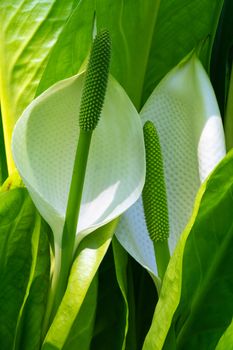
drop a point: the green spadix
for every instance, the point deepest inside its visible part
(155, 198)
(154, 191)
(95, 82)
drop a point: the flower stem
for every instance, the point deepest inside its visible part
(92, 100)
(162, 257)
(72, 213)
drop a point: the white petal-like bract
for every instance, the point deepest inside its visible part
(44, 144)
(185, 113)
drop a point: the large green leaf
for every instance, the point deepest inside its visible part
(82, 330)
(33, 315)
(19, 237)
(131, 27)
(141, 299)
(28, 31)
(130, 51)
(221, 59)
(181, 26)
(199, 276)
(89, 256)
(226, 340)
(110, 325)
(121, 263)
(72, 47)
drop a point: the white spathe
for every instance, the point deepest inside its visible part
(185, 113)
(44, 144)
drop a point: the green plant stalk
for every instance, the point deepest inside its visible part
(92, 100)
(72, 214)
(162, 256)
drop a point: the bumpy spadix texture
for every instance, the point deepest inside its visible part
(154, 191)
(44, 143)
(95, 82)
(185, 113)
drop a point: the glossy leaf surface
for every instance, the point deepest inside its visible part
(34, 311)
(181, 26)
(198, 284)
(19, 236)
(81, 333)
(28, 31)
(111, 317)
(89, 256)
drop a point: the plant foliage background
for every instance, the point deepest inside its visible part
(111, 301)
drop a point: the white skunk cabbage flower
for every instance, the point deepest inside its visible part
(185, 113)
(44, 144)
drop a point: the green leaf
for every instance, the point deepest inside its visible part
(3, 165)
(229, 115)
(206, 296)
(138, 62)
(19, 236)
(89, 256)
(221, 59)
(130, 52)
(81, 332)
(198, 278)
(72, 47)
(121, 263)
(226, 340)
(44, 144)
(181, 26)
(33, 315)
(28, 31)
(110, 324)
(185, 113)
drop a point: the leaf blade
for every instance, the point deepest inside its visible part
(180, 289)
(90, 254)
(171, 42)
(28, 31)
(19, 233)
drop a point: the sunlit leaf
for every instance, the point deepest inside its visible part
(226, 340)
(129, 50)
(19, 237)
(197, 289)
(81, 333)
(90, 253)
(72, 47)
(28, 31)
